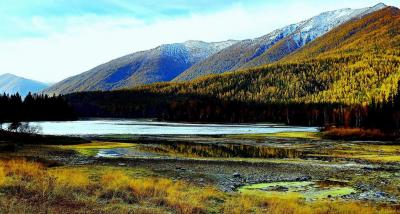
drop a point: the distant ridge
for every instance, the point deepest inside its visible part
(12, 84)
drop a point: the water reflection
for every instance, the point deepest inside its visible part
(223, 150)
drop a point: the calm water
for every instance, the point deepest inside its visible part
(141, 127)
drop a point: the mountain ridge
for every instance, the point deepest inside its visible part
(159, 64)
(176, 62)
(292, 38)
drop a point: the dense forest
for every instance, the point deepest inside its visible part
(14, 108)
(190, 107)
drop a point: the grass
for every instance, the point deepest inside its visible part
(357, 134)
(302, 189)
(298, 135)
(375, 153)
(92, 148)
(30, 187)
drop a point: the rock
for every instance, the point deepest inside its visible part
(236, 175)
(279, 189)
(303, 178)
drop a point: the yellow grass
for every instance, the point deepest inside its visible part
(2, 176)
(67, 178)
(99, 145)
(369, 152)
(28, 187)
(298, 135)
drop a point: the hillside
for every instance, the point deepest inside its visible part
(274, 46)
(11, 84)
(356, 63)
(192, 59)
(160, 64)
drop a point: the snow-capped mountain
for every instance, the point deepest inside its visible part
(189, 60)
(308, 31)
(234, 56)
(160, 64)
(275, 45)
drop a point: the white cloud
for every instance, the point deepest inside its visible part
(90, 40)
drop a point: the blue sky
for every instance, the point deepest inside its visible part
(49, 40)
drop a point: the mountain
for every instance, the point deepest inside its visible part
(350, 76)
(189, 60)
(160, 64)
(273, 46)
(355, 63)
(11, 84)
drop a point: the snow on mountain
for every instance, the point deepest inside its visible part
(191, 59)
(317, 26)
(275, 45)
(160, 64)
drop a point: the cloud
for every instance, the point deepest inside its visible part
(74, 44)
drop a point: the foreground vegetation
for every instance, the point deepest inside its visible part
(31, 187)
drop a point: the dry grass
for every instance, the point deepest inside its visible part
(2, 176)
(355, 134)
(252, 203)
(27, 187)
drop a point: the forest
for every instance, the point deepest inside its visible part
(14, 108)
(195, 108)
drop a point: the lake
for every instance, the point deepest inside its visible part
(147, 127)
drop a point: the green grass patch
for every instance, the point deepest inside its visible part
(298, 135)
(302, 189)
(92, 149)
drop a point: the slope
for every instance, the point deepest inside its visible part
(273, 46)
(356, 63)
(156, 65)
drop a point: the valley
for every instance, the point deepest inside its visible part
(304, 119)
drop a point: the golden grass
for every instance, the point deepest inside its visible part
(28, 187)
(298, 135)
(2, 176)
(92, 148)
(363, 151)
(254, 203)
(99, 145)
(70, 179)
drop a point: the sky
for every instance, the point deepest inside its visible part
(49, 40)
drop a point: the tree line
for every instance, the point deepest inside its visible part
(34, 107)
(200, 108)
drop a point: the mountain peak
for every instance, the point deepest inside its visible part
(380, 5)
(9, 75)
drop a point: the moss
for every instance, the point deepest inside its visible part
(92, 148)
(302, 189)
